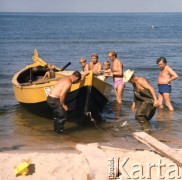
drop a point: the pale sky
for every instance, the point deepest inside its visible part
(90, 5)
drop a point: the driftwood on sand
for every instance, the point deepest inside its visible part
(161, 148)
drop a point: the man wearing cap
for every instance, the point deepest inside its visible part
(145, 101)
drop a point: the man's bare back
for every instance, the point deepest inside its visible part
(138, 83)
(63, 86)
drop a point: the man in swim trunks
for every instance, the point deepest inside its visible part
(145, 100)
(117, 72)
(165, 77)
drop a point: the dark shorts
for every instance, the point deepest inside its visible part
(164, 88)
(55, 105)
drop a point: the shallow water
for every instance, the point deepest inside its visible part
(139, 40)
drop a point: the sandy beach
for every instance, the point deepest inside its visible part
(89, 161)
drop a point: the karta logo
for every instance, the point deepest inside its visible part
(120, 170)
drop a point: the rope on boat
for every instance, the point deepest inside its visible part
(89, 114)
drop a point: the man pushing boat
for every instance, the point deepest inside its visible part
(56, 99)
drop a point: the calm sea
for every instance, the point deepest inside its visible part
(139, 39)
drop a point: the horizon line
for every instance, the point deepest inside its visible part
(89, 12)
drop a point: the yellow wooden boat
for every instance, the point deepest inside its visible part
(88, 97)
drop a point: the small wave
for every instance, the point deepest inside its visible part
(6, 76)
(6, 108)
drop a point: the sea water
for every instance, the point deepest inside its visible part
(138, 38)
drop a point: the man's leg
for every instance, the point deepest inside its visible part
(119, 93)
(58, 126)
(59, 115)
(59, 120)
(141, 116)
(150, 111)
(168, 101)
(160, 99)
(115, 92)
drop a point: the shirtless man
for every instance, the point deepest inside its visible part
(165, 77)
(145, 101)
(117, 72)
(95, 66)
(56, 99)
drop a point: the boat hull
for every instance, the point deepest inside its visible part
(85, 103)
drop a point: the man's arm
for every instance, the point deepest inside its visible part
(172, 73)
(63, 94)
(99, 68)
(84, 75)
(87, 67)
(133, 106)
(90, 66)
(46, 75)
(145, 84)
